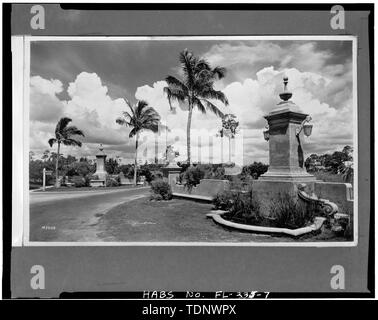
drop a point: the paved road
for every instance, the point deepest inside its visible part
(73, 216)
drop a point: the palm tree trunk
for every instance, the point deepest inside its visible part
(156, 148)
(188, 132)
(221, 149)
(229, 149)
(136, 159)
(56, 167)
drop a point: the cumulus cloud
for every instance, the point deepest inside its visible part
(44, 103)
(251, 99)
(321, 87)
(90, 107)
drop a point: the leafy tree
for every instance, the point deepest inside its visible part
(82, 168)
(339, 162)
(254, 170)
(46, 155)
(111, 166)
(196, 88)
(63, 135)
(139, 117)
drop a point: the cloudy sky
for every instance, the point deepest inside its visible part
(89, 80)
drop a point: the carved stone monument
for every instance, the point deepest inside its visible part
(286, 131)
(172, 170)
(100, 169)
(286, 135)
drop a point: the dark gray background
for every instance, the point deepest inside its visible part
(277, 269)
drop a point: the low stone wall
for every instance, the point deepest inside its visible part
(126, 181)
(268, 191)
(207, 189)
(337, 192)
(97, 183)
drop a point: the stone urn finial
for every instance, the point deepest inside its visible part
(285, 95)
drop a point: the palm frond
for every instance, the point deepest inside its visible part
(72, 131)
(202, 64)
(197, 102)
(122, 121)
(142, 117)
(130, 107)
(140, 107)
(52, 141)
(61, 125)
(209, 93)
(71, 142)
(174, 94)
(213, 108)
(127, 116)
(188, 62)
(220, 72)
(176, 83)
(133, 132)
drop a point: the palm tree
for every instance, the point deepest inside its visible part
(141, 117)
(230, 129)
(196, 88)
(63, 135)
(221, 134)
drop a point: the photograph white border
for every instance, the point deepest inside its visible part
(20, 139)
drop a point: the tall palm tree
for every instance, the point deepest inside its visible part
(230, 129)
(196, 88)
(63, 135)
(141, 117)
(221, 134)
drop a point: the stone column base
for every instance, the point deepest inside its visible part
(301, 177)
(267, 191)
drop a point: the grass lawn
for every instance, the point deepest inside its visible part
(179, 220)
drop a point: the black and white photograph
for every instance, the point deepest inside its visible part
(191, 140)
(210, 152)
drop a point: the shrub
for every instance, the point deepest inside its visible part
(192, 176)
(254, 170)
(288, 212)
(161, 190)
(246, 208)
(242, 207)
(78, 181)
(212, 171)
(148, 170)
(223, 200)
(156, 175)
(195, 173)
(112, 182)
(128, 170)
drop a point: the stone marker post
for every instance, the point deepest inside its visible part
(100, 167)
(285, 133)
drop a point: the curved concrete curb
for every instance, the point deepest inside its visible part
(217, 217)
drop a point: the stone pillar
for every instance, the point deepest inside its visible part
(173, 176)
(286, 154)
(100, 165)
(172, 170)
